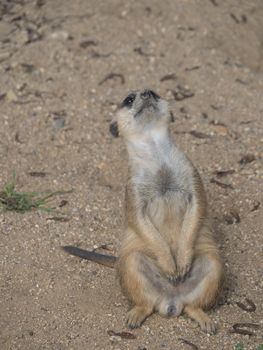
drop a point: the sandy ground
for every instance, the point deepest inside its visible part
(64, 67)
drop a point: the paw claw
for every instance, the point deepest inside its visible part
(208, 327)
(173, 279)
(183, 272)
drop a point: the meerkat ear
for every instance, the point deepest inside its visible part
(114, 129)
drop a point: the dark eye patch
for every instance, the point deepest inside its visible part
(128, 101)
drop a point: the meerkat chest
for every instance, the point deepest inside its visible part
(163, 197)
(163, 190)
(162, 179)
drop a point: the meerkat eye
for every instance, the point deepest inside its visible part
(128, 101)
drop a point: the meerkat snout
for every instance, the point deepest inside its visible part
(149, 94)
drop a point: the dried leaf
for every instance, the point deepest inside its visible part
(222, 173)
(17, 138)
(28, 68)
(59, 218)
(217, 122)
(199, 134)
(245, 122)
(87, 43)
(247, 158)
(255, 206)
(221, 184)
(232, 218)
(238, 80)
(140, 51)
(123, 335)
(95, 54)
(2, 96)
(245, 328)
(192, 68)
(241, 19)
(63, 203)
(214, 2)
(250, 307)
(40, 3)
(216, 108)
(171, 76)
(187, 342)
(37, 173)
(113, 76)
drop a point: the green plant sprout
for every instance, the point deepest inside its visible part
(21, 202)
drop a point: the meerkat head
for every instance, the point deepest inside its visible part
(139, 113)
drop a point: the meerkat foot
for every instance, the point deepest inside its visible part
(204, 321)
(137, 315)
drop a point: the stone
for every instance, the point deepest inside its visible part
(11, 96)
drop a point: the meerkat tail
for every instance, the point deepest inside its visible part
(106, 260)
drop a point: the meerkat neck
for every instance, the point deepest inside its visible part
(149, 145)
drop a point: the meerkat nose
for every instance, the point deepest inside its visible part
(148, 94)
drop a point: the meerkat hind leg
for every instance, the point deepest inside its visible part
(200, 289)
(204, 321)
(147, 288)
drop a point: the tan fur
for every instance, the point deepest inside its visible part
(168, 261)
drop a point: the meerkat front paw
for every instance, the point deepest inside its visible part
(168, 266)
(182, 272)
(183, 264)
(173, 279)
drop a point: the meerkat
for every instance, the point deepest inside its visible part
(169, 261)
